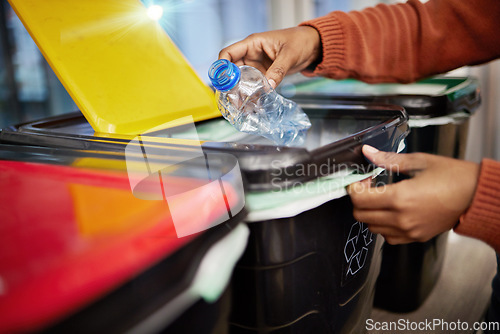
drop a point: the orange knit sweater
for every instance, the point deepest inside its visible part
(410, 41)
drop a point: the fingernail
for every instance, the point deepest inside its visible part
(370, 149)
(272, 83)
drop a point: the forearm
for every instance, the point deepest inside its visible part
(482, 219)
(406, 42)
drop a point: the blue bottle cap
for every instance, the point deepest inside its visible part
(224, 75)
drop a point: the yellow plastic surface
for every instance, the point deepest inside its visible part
(119, 66)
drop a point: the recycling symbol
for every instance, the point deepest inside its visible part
(356, 247)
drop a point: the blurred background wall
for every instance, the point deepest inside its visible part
(29, 89)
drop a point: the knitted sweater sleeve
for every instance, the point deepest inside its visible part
(482, 219)
(407, 41)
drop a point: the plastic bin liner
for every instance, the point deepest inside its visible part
(456, 118)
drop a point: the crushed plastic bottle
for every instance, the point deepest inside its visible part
(247, 100)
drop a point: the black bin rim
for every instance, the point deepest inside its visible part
(461, 95)
(255, 161)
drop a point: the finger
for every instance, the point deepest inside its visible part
(239, 63)
(257, 64)
(366, 182)
(364, 197)
(395, 162)
(385, 231)
(235, 52)
(376, 218)
(390, 235)
(397, 240)
(359, 186)
(279, 68)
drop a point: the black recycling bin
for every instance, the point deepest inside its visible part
(308, 264)
(439, 109)
(81, 254)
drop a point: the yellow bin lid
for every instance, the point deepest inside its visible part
(119, 66)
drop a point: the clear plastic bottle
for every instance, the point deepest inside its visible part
(247, 100)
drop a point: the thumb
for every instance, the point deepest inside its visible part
(277, 71)
(396, 162)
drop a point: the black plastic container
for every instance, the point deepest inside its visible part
(154, 295)
(312, 270)
(439, 109)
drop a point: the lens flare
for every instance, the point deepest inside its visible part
(155, 12)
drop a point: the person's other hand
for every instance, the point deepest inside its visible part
(276, 53)
(416, 209)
